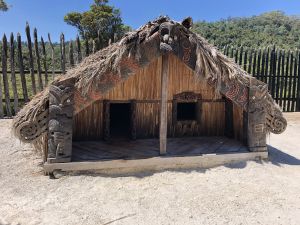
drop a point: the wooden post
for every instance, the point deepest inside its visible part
(256, 125)
(13, 74)
(294, 82)
(298, 85)
(45, 61)
(62, 53)
(87, 48)
(31, 65)
(163, 105)
(4, 74)
(61, 100)
(71, 54)
(52, 56)
(21, 68)
(37, 57)
(79, 56)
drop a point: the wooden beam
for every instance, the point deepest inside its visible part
(156, 163)
(163, 105)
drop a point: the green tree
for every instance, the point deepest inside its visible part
(3, 6)
(272, 28)
(102, 22)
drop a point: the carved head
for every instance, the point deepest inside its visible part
(167, 31)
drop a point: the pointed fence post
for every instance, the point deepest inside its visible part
(13, 73)
(21, 68)
(31, 64)
(79, 56)
(71, 54)
(5, 78)
(45, 61)
(37, 57)
(52, 56)
(62, 53)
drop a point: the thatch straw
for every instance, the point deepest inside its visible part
(87, 75)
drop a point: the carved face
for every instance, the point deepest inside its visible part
(168, 36)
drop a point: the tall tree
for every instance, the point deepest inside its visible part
(102, 22)
(3, 6)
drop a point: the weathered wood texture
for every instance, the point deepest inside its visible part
(163, 105)
(88, 124)
(60, 123)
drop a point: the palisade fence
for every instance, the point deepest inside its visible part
(279, 68)
(20, 82)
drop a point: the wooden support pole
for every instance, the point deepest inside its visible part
(163, 105)
(256, 125)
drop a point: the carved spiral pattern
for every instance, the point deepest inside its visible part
(31, 130)
(276, 124)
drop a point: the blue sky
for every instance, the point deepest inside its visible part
(47, 15)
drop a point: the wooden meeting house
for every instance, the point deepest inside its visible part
(161, 96)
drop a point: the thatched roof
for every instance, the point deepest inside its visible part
(101, 71)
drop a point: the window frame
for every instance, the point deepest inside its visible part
(187, 97)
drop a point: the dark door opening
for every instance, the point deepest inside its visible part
(120, 117)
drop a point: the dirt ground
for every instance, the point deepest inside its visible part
(265, 192)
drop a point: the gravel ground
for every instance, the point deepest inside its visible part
(266, 192)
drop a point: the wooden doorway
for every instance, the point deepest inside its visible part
(119, 120)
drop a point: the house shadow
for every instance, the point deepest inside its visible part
(276, 157)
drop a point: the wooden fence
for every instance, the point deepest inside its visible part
(17, 84)
(280, 69)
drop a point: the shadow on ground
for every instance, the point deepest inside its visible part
(278, 157)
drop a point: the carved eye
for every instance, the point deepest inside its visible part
(164, 31)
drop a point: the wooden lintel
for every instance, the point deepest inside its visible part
(163, 105)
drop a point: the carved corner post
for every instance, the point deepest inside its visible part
(163, 105)
(256, 132)
(61, 101)
(133, 119)
(106, 120)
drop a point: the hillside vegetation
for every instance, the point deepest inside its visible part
(273, 28)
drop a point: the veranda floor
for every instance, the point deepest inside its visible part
(148, 148)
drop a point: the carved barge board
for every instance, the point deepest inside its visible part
(60, 123)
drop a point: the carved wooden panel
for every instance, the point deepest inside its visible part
(60, 123)
(187, 96)
(256, 131)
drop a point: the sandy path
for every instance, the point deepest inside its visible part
(244, 193)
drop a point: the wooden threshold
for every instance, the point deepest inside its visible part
(156, 163)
